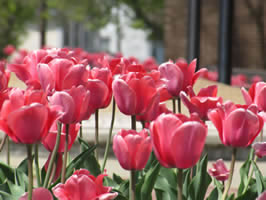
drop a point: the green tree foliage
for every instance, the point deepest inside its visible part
(14, 15)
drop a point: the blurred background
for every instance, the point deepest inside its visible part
(140, 28)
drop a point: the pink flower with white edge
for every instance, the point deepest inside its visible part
(219, 170)
(83, 186)
(260, 149)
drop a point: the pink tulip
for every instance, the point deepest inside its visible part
(134, 93)
(9, 50)
(260, 149)
(83, 186)
(75, 104)
(178, 141)
(49, 140)
(239, 80)
(256, 95)
(179, 75)
(132, 148)
(201, 103)
(58, 164)
(219, 170)
(262, 196)
(237, 125)
(38, 194)
(210, 75)
(25, 119)
(4, 76)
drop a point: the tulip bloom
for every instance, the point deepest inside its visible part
(260, 149)
(237, 125)
(83, 186)
(4, 76)
(219, 170)
(132, 149)
(256, 95)
(38, 194)
(75, 104)
(134, 93)
(179, 75)
(201, 103)
(24, 118)
(178, 140)
(9, 50)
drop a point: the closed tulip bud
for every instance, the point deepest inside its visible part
(132, 148)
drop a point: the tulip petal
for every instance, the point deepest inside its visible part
(46, 77)
(121, 151)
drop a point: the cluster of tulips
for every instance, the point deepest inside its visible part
(67, 86)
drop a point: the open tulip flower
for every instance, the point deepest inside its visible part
(179, 75)
(132, 148)
(256, 95)
(237, 125)
(201, 103)
(134, 93)
(219, 170)
(178, 141)
(260, 149)
(83, 186)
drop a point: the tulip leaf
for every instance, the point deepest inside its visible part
(117, 178)
(163, 185)
(6, 172)
(23, 166)
(231, 197)
(250, 194)
(244, 171)
(261, 186)
(200, 182)
(186, 181)
(149, 181)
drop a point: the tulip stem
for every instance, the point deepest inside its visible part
(133, 122)
(30, 173)
(3, 142)
(179, 184)
(179, 105)
(231, 174)
(8, 151)
(174, 105)
(53, 156)
(36, 161)
(132, 190)
(107, 147)
(52, 174)
(96, 140)
(65, 155)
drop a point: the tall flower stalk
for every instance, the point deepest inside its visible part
(179, 184)
(65, 155)
(30, 171)
(96, 140)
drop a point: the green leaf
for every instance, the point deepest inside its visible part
(91, 164)
(200, 182)
(6, 173)
(250, 194)
(261, 186)
(244, 171)
(163, 185)
(23, 166)
(149, 181)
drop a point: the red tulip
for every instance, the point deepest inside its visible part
(178, 140)
(75, 104)
(132, 148)
(260, 149)
(134, 94)
(38, 194)
(4, 76)
(26, 120)
(201, 103)
(49, 140)
(179, 75)
(219, 170)
(262, 196)
(9, 50)
(256, 95)
(237, 125)
(83, 186)
(210, 75)
(239, 80)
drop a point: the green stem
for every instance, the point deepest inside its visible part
(65, 155)
(251, 174)
(96, 140)
(30, 173)
(132, 189)
(133, 122)
(179, 184)
(8, 151)
(231, 174)
(37, 168)
(174, 105)
(53, 156)
(107, 147)
(3, 142)
(179, 105)
(80, 135)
